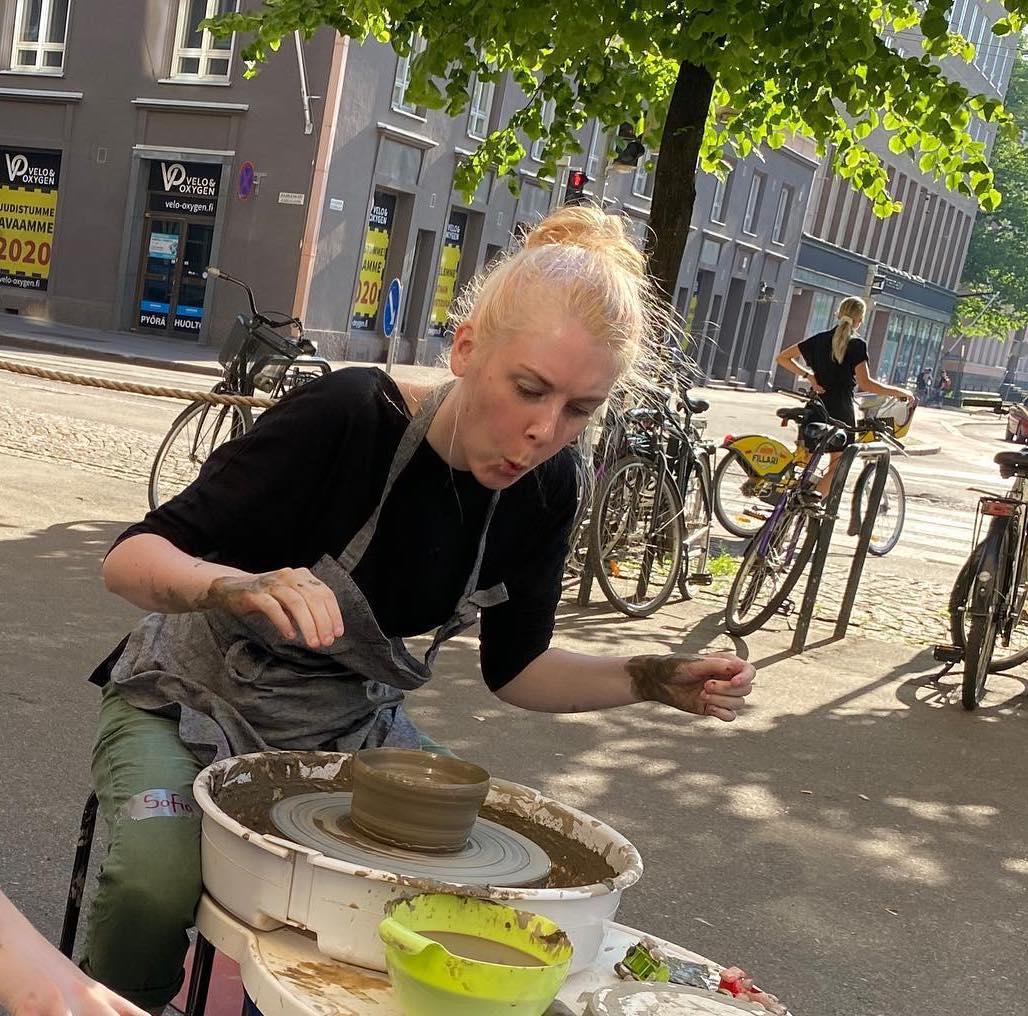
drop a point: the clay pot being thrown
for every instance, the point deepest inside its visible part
(416, 799)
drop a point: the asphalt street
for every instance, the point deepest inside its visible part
(855, 840)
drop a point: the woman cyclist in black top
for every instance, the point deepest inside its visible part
(836, 364)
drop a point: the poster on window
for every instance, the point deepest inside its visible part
(446, 280)
(372, 274)
(28, 209)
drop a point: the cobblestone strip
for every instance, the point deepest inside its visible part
(96, 447)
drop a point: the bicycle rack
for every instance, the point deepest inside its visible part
(880, 451)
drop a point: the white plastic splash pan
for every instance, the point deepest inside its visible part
(268, 881)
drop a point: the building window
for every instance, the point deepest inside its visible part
(642, 180)
(481, 109)
(198, 55)
(540, 143)
(722, 195)
(597, 151)
(782, 215)
(402, 81)
(753, 203)
(40, 29)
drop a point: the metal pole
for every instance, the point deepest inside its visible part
(883, 454)
(393, 340)
(824, 539)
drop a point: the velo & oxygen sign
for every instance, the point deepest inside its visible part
(189, 188)
(28, 213)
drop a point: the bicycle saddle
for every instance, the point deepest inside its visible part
(1012, 463)
(795, 413)
(830, 439)
(695, 405)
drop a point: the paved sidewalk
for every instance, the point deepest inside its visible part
(129, 347)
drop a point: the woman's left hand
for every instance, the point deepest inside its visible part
(712, 685)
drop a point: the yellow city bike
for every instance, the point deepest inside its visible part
(757, 470)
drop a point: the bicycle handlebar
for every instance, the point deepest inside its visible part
(219, 273)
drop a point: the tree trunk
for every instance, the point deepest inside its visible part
(674, 184)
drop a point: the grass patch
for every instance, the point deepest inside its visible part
(723, 564)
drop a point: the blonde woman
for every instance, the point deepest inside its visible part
(836, 364)
(356, 513)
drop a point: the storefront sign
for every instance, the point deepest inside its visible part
(184, 188)
(372, 273)
(28, 208)
(446, 280)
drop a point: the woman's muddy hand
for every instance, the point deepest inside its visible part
(290, 598)
(712, 685)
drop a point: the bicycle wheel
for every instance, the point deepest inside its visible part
(736, 496)
(981, 640)
(195, 433)
(892, 509)
(696, 513)
(1004, 656)
(636, 537)
(766, 577)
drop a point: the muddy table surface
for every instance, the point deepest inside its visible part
(284, 973)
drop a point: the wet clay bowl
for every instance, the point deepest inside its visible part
(416, 799)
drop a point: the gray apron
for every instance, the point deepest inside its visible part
(237, 686)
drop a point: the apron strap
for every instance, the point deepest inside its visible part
(415, 433)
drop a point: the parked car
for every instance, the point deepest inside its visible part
(1017, 421)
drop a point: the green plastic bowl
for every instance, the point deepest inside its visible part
(431, 981)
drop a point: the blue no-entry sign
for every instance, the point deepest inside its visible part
(391, 311)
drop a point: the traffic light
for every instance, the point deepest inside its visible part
(574, 193)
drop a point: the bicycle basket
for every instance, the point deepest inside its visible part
(235, 341)
(885, 408)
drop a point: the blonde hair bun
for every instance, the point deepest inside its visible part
(592, 229)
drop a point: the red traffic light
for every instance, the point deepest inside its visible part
(574, 192)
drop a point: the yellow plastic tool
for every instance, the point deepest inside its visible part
(429, 980)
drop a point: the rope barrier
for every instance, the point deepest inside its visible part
(159, 391)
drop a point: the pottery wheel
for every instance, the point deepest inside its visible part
(494, 856)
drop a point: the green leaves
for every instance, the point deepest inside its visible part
(781, 68)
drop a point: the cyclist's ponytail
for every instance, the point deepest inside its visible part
(851, 313)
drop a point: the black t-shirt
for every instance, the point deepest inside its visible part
(308, 475)
(836, 378)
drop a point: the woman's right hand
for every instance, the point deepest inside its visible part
(290, 598)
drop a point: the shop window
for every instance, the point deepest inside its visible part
(40, 31)
(198, 55)
(402, 80)
(642, 181)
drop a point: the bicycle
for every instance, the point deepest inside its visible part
(987, 602)
(652, 512)
(775, 558)
(255, 357)
(759, 470)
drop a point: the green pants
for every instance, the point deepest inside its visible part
(149, 883)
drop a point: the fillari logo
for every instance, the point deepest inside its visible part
(765, 455)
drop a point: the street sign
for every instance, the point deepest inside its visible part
(247, 181)
(391, 310)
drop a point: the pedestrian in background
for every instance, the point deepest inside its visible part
(836, 364)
